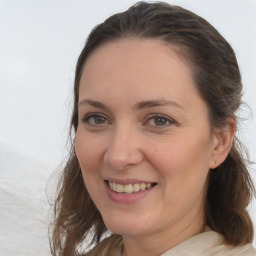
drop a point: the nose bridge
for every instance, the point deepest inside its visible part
(123, 148)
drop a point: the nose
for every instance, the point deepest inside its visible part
(123, 150)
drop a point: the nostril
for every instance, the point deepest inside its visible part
(122, 153)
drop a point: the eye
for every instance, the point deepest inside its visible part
(95, 119)
(159, 121)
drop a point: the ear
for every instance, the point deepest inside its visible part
(222, 142)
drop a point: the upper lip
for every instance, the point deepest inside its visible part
(127, 181)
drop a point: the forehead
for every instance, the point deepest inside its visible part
(135, 51)
(137, 69)
(140, 57)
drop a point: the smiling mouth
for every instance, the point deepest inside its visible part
(129, 188)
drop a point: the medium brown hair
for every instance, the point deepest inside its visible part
(217, 76)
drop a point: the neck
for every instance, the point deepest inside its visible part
(158, 243)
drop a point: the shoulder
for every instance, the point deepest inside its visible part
(227, 250)
(110, 246)
(210, 244)
(221, 248)
(245, 250)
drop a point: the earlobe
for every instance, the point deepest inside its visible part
(222, 142)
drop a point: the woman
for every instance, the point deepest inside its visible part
(155, 166)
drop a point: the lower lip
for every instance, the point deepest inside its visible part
(128, 198)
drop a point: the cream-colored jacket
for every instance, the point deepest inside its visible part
(209, 243)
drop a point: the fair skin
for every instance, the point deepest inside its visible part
(141, 120)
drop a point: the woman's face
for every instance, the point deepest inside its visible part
(143, 141)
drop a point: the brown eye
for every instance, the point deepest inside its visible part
(99, 120)
(159, 121)
(95, 119)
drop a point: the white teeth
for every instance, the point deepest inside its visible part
(136, 187)
(143, 186)
(119, 188)
(129, 188)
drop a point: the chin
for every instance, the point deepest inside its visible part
(126, 230)
(126, 226)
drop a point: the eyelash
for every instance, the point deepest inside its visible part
(165, 118)
(160, 116)
(93, 115)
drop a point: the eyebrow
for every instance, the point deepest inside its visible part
(138, 106)
(93, 103)
(156, 103)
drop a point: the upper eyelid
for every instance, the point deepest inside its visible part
(172, 122)
(147, 118)
(85, 119)
(158, 114)
(88, 115)
(162, 115)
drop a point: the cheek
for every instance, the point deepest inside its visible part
(183, 170)
(88, 151)
(182, 158)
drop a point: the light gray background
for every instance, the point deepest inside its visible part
(40, 41)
